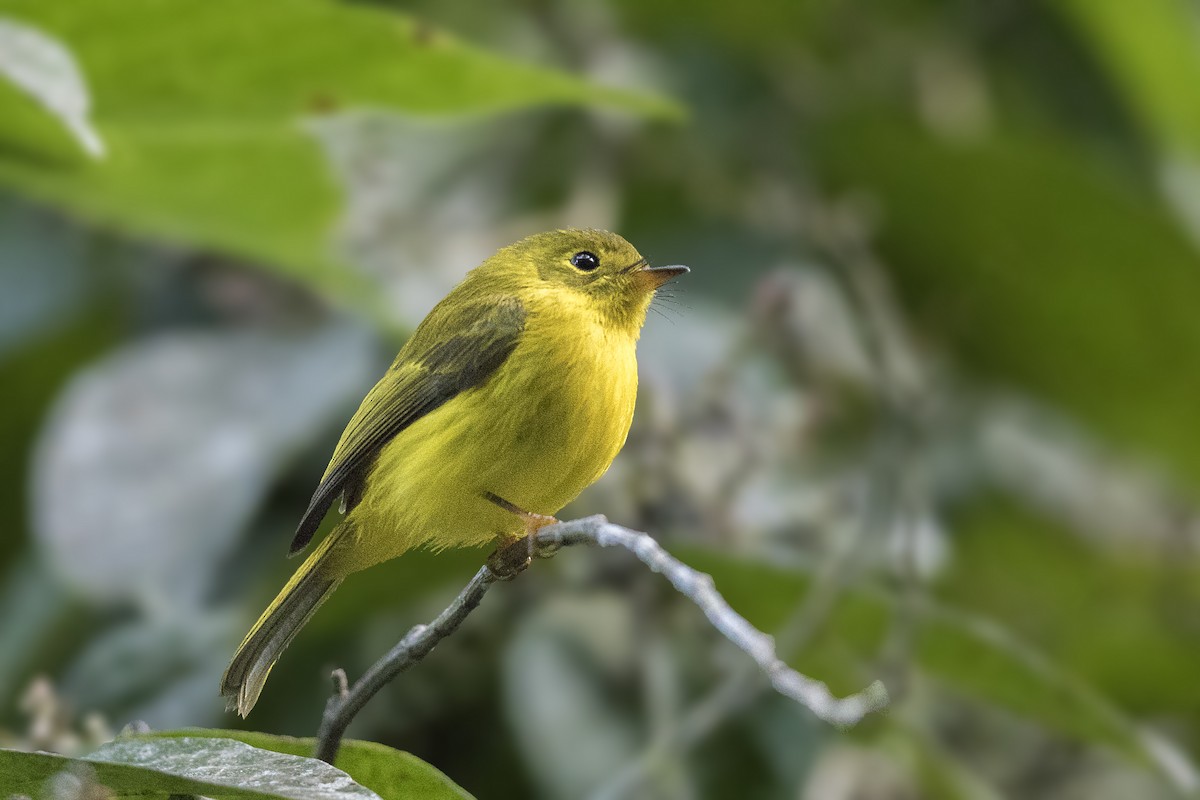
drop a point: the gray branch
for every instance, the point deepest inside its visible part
(814, 695)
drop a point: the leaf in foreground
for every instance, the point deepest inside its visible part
(187, 765)
(392, 774)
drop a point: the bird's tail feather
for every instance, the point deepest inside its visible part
(289, 611)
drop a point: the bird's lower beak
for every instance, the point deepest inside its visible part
(654, 277)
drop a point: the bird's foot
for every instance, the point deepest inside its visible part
(533, 524)
(510, 560)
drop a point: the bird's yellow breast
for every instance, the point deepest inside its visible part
(539, 431)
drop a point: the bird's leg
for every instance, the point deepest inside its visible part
(512, 557)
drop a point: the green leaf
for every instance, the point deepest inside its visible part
(201, 106)
(1144, 651)
(166, 63)
(187, 765)
(392, 774)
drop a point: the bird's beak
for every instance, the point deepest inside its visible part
(653, 277)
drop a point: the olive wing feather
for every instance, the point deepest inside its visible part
(455, 349)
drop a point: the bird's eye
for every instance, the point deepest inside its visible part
(585, 261)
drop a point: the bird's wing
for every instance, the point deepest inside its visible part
(456, 348)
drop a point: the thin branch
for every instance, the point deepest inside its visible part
(742, 686)
(342, 707)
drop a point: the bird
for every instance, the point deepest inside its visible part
(511, 397)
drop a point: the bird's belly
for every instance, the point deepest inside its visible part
(534, 435)
(562, 434)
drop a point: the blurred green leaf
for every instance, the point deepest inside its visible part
(983, 658)
(201, 106)
(1143, 650)
(392, 774)
(155, 458)
(1039, 271)
(188, 765)
(964, 650)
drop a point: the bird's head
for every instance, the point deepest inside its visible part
(592, 269)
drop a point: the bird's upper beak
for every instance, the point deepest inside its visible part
(653, 277)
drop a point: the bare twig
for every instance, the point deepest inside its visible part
(341, 708)
(416, 644)
(742, 686)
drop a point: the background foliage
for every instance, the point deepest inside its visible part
(924, 408)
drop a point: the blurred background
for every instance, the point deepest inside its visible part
(926, 408)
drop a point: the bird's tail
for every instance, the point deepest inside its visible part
(296, 603)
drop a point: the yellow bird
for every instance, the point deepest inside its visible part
(511, 397)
